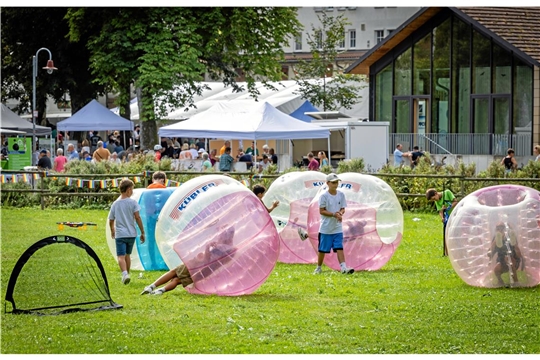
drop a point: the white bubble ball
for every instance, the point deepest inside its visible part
(372, 224)
(493, 237)
(294, 191)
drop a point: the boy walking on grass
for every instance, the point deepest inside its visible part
(332, 206)
(122, 217)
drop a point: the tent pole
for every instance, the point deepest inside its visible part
(291, 162)
(329, 154)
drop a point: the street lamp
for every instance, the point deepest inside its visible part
(50, 68)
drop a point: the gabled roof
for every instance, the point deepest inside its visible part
(94, 116)
(518, 26)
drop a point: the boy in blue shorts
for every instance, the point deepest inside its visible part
(122, 217)
(332, 206)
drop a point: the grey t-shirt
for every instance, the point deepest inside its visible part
(122, 212)
(332, 203)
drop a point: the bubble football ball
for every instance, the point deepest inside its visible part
(372, 223)
(493, 237)
(145, 256)
(294, 191)
(223, 234)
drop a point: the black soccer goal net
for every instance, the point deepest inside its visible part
(55, 275)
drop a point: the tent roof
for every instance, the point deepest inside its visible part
(12, 132)
(283, 98)
(299, 113)
(244, 120)
(12, 121)
(94, 116)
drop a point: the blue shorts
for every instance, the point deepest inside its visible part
(124, 246)
(328, 242)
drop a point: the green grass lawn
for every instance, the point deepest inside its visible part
(415, 304)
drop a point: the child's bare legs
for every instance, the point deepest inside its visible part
(320, 259)
(340, 256)
(122, 263)
(498, 271)
(128, 262)
(170, 278)
(165, 278)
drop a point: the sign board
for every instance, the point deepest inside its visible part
(19, 152)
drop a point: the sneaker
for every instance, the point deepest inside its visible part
(317, 271)
(126, 279)
(158, 292)
(347, 271)
(303, 234)
(147, 290)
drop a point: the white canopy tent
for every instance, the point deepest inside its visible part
(244, 120)
(285, 99)
(241, 120)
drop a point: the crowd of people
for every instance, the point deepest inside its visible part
(94, 148)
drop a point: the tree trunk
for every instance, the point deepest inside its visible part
(147, 118)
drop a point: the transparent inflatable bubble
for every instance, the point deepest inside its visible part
(493, 237)
(372, 224)
(294, 190)
(223, 234)
(145, 256)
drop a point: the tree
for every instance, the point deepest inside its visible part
(343, 90)
(24, 31)
(166, 52)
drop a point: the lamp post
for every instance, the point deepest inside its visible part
(50, 68)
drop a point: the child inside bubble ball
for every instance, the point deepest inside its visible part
(259, 191)
(505, 246)
(220, 249)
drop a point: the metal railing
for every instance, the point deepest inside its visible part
(464, 144)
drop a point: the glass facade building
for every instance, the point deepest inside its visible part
(453, 86)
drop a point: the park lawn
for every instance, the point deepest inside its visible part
(415, 304)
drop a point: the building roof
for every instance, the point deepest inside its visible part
(346, 55)
(518, 26)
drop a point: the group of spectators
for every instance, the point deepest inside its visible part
(414, 156)
(314, 164)
(251, 157)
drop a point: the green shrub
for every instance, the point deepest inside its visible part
(18, 199)
(352, 165)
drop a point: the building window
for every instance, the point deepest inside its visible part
(389, 31)
(298, 41)
(341, 44)
(379, 35)
(284, 73)
(319, 38)
(363, 27)
(352, 39)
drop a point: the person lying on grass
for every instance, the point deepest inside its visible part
(206, 261)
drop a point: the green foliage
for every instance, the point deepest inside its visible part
(343, 90)
(18, 199)
(25, 30)
(415, 304)
(166, 51)
(352, 165)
